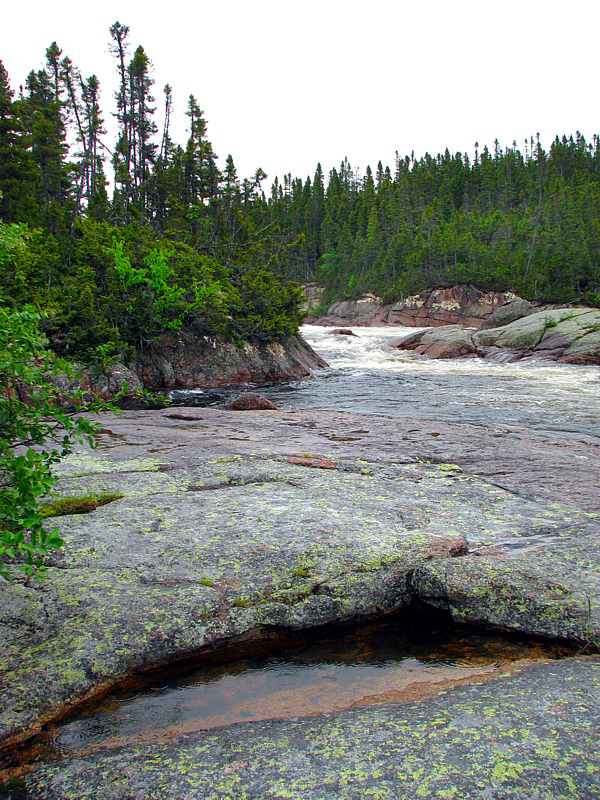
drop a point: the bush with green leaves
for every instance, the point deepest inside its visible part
(37, 429)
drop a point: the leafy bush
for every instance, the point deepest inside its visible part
(37, 429)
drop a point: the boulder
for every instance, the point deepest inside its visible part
(341, 332)
(449, 341)
(585, 350)
(571, 335)
(250, 401)
(181, 360)
(507, 313)
(568, 334)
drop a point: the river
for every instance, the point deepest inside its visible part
(365, 375)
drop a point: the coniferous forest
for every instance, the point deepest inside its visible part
(121, 241)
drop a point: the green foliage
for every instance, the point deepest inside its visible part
(36, 432)
(37, 428)
(528, 221)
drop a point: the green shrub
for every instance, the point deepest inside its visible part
(37, 429)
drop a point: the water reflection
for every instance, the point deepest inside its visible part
(386, 661)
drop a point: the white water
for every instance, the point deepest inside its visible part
(365, 375)
(542, 394)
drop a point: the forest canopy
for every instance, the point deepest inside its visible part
(121, 242)
(175, 241)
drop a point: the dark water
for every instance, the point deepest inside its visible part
(367, 376)
(392, 660)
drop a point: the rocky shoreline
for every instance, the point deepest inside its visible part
(234, 526)
(567, 335)
(181, 360)
(462, 304)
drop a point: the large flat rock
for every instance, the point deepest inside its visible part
(532, 734)
(209, 547)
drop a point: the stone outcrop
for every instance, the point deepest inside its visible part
(184, 361)
(367, 310)
(465, 305)
(181, 360)
(568, 335)
(225, 532)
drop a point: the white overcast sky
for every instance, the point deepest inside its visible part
(287, 84)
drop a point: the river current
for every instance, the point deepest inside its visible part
(366, 375)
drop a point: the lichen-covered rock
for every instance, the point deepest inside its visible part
(204, 549)
(565, 325)
(507, 313)
(528, 734)
(586, 349)
(571, 335)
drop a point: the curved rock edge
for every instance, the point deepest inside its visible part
(494, 587)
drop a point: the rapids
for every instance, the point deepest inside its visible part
(366, 376)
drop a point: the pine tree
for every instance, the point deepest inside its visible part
(17, 170)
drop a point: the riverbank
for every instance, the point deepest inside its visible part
(567, 335)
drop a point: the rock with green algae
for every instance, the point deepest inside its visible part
(531, 735)
(232, 547)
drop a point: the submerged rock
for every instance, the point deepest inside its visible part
(528, 734)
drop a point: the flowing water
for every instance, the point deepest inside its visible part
(366, 375)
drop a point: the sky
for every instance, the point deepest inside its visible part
(286, 84)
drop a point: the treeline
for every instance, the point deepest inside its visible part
(177, 240)
(526, 220)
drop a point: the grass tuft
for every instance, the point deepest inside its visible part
(82, 504)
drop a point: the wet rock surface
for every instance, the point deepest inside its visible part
(250, 401)
(527, 735)
(236, 526)
(569, 335)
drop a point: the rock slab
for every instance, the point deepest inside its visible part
(568, 335)
(532, 735)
